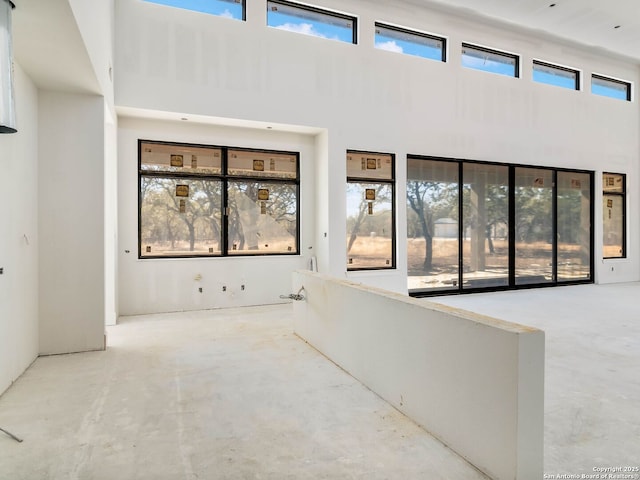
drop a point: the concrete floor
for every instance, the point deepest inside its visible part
(592, 371)
(227, 394)
(233, 394)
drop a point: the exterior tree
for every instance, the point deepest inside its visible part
(357, 221)
(166, 222)
(430, 201)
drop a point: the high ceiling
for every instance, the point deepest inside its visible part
(49, 46)
(612, 25)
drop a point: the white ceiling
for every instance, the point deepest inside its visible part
(48, 45)
(588, 22)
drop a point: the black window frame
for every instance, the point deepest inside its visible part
(322, 11)
(392, 183)
(561, 68)
(623, 196)
(611, 80)
(415, 33)
(500, 53)
(512, 284)
(225, 178)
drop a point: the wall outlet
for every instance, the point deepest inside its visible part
(224, 288)
(241, 287)
(200, 289)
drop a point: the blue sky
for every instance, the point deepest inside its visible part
(391, 44)
(561, 80)
(307, 26)
(486, 64)
(336, 28)
(613, 90)
(221, 8)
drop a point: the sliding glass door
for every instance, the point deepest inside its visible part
(478, 226)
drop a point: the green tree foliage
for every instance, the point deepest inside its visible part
(429, 201)
(534, 219)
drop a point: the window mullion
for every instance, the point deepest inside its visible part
(554, 228)
(512, 226)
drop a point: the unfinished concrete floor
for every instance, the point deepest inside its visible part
(227, 394)
(592, 370)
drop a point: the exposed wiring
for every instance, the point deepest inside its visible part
(295, 296)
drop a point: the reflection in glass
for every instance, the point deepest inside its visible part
(432, 225)
(534, 225)
(574, 226)
(179, 217)
(262, 218)
(369, 225)
(485, 225)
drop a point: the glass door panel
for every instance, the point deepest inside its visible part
(533, 226)
(432, 225)
(574, 226)
(485, 227)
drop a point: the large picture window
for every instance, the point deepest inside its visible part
(477, 226)
(370, 211)
(207, 201)
(613, 215)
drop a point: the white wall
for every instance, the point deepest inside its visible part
(19, 236)
(71, 222)
(474, 382)
(110, 217)
(175, 60)
(95, 21)
(162, 285)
